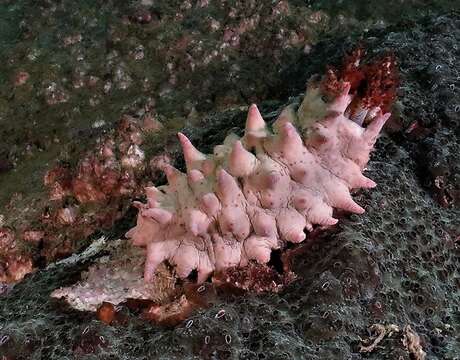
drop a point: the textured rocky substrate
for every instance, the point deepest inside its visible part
(396, 264)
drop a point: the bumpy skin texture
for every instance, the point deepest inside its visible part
(258, 192)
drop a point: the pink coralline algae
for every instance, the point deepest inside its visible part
(14, 263)
(258, 193)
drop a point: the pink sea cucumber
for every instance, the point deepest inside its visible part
(257, 193)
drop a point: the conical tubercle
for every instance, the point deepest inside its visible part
(197, 222)
(241, 162)
(290, 141)
(288, 114)
(341, 102)
(195, 176)
(153, 196)
(227, 188)
(161, 216)
(255, 124)
(193, 157)
(255, 129)
(173, 175)
(373, 129)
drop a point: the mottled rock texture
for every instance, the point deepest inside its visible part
(396, 264)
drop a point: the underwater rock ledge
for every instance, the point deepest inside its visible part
(395, 264)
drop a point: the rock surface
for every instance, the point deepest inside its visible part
(397, 264)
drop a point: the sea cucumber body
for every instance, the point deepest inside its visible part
(256, 193)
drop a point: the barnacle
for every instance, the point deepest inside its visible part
(257, 193)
